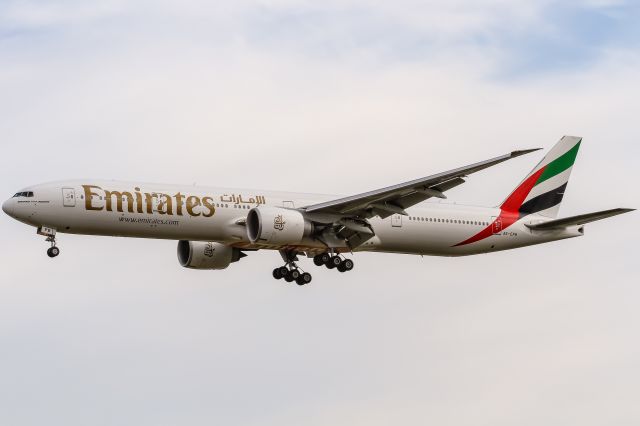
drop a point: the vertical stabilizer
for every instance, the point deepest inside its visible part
(542, 190)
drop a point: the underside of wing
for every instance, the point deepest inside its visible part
(395, 199)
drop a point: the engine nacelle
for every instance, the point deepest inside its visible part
(276, 225)
(201, 255)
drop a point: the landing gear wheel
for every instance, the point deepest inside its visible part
(283, 271)
(334, 262)
(277, 274)
(304, 279)
(321, 259)
(53, 251)
(295, 274)
(292, 275)
(347, 264)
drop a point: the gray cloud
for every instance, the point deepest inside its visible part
(114, 332)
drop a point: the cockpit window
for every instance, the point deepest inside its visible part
(23, 194)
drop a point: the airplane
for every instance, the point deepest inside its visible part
(218, 226)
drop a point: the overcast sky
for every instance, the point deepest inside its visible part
(332, 97)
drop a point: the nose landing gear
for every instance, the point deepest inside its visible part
(53, 251)
(50, 233)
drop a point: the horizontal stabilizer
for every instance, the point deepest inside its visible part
(577, 220)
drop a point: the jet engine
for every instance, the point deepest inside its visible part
(276, 225)
(202, 255)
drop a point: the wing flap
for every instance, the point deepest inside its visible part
(577, 220)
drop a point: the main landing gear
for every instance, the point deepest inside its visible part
(292, 273)
(333, 262)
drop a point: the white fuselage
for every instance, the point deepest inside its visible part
(129, 209)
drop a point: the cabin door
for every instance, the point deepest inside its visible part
(68, 197)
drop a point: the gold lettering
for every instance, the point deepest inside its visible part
(192, 202)
(179, 199)
(149, 202)
(119, 195)
(88, 197)
(208, 203)
(165, 207)
(138, 200)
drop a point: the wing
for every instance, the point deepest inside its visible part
(395, 199)
(577, 220)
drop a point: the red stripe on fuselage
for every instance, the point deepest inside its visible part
(509, 210)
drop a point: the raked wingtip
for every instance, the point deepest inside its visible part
(524, 152)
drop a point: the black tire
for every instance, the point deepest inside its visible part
(283, 271)
(288, 278)
(295, 274)
(318, 260)
(53, 251)
(342, 267)
(334, 262)
(276, 274)
(304, 279)
(348, 264)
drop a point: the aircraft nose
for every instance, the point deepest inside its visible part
(7, 207)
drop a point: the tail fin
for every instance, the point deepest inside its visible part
(542, 190)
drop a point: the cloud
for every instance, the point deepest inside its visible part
(341, 97)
